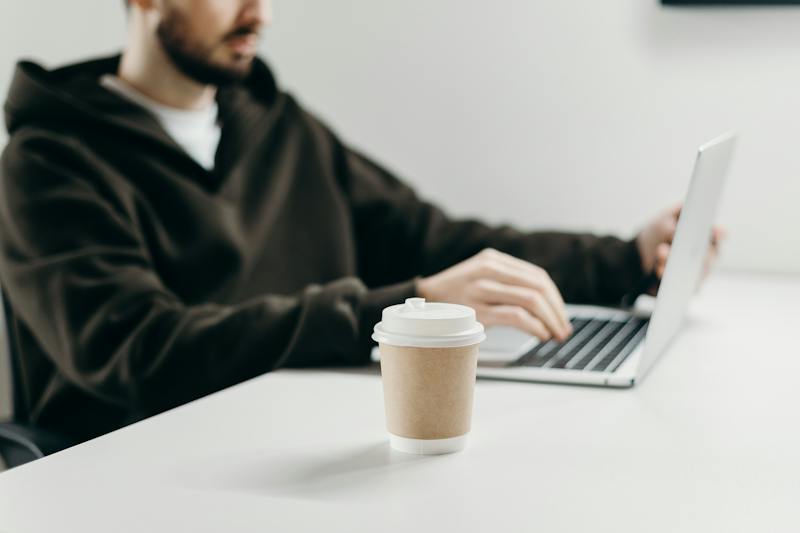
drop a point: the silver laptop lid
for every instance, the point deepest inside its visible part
(685, 263)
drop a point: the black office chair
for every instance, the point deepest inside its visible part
(20, 443)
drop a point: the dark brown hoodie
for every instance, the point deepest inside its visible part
(139, 280)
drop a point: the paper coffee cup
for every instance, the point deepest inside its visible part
(429, 355)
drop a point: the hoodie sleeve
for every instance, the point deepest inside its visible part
(401, 235)
(78, 275)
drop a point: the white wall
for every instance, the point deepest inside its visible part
(577, 114)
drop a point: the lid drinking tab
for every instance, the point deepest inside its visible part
(417, 322)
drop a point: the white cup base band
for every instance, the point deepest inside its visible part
(428, 446)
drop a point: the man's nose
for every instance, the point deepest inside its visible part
(258, 12)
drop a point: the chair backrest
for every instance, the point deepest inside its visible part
(19, 441)
(6, 366)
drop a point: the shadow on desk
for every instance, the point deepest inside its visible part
(310, 474)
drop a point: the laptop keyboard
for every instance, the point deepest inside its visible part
(596, 345)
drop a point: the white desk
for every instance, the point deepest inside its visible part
(709, 442)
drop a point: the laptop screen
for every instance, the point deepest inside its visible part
(685, 263)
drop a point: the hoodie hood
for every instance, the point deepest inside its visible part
(53, 98)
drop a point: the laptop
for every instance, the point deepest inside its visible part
(614, 347)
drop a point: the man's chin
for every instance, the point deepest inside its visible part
(242, 72)
(228, 72)
(236, 65)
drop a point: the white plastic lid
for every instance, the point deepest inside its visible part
(428, 325)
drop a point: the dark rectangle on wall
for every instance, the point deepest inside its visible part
(730, 2)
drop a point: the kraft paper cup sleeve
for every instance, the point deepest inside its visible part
(428, 392)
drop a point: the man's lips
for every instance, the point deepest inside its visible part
(244, 44)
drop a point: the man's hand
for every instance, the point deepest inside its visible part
(503, 290)
(655, 240)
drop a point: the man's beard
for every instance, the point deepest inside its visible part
(193, 58)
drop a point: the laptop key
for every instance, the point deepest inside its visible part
(614, 343)
(574, 343)
(637, 339)
(585, 356)
(623, 347)
(542, 352)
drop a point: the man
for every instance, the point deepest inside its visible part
(172, 223)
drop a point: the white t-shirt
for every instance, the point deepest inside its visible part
(196, 131)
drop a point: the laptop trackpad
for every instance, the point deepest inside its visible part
(503, 345)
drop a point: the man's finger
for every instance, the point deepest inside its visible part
(718, 233)
(708, 262)
(550, 290)
(662, 254)
(514, 316)
(512, 273)
(675, 210)
(496, 293)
